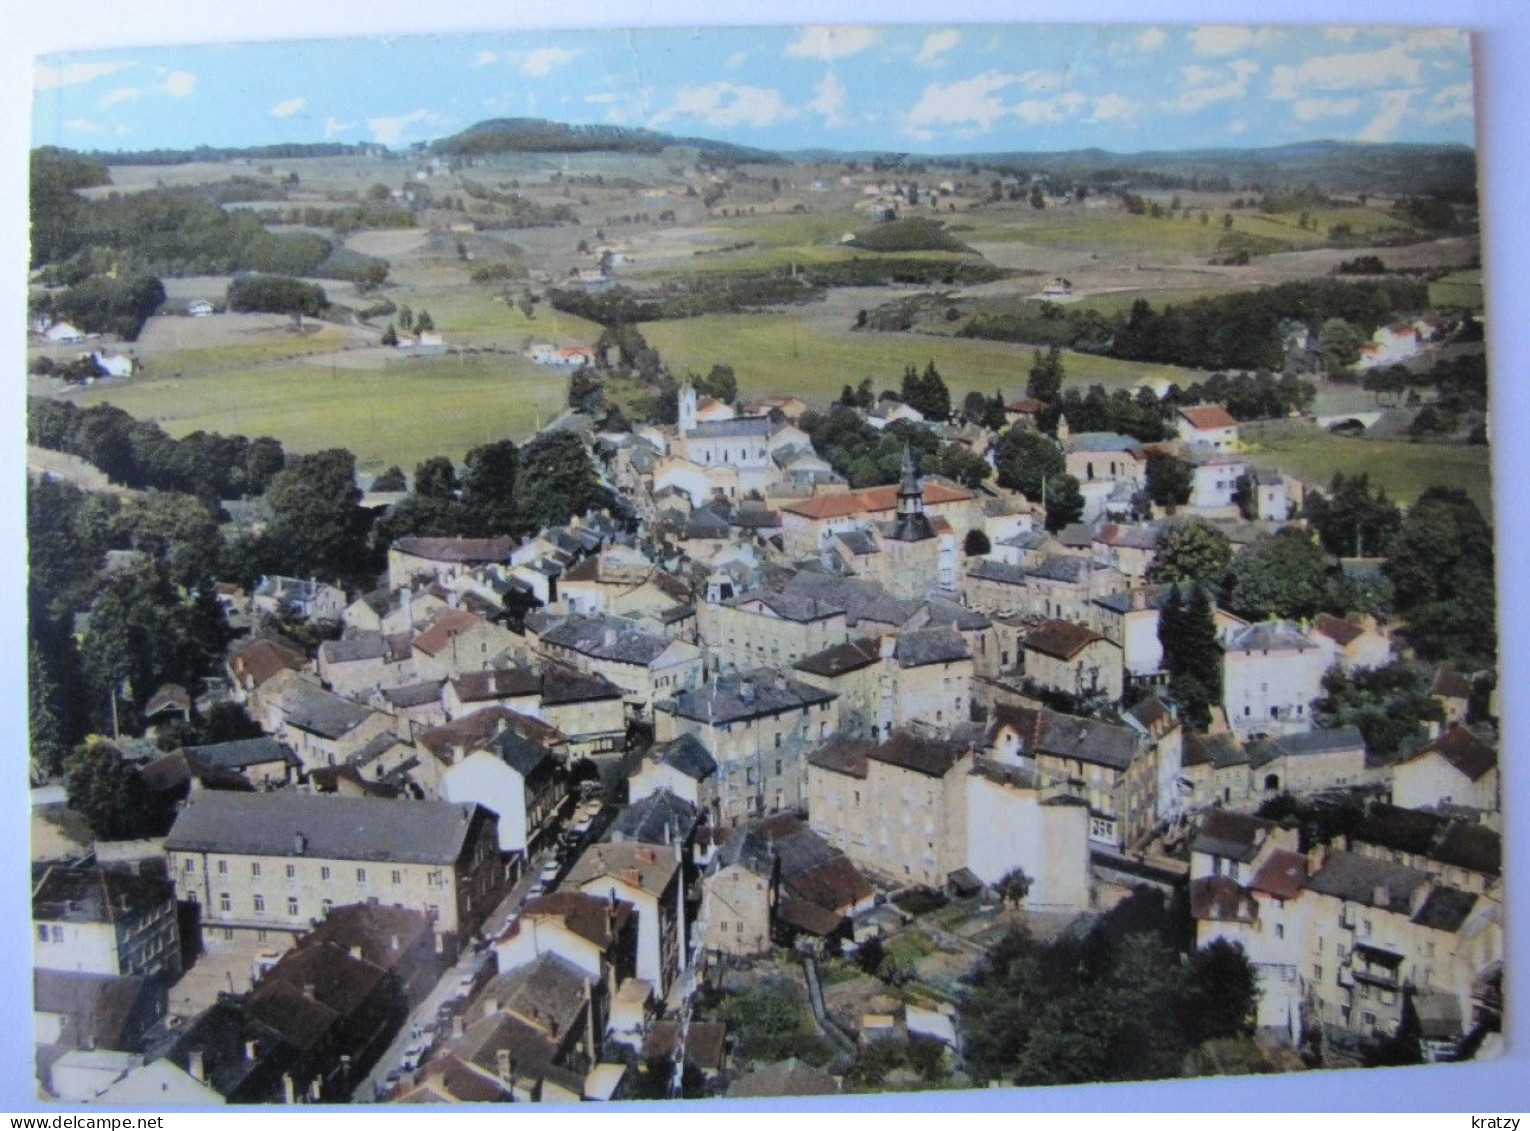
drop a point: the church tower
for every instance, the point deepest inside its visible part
(687, 409)
(910, 493)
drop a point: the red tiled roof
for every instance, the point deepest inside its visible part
(1061, 639)
(440, 634)
(1283, 875)
(1463, 750)
(872, 499)
(1220, 899)
(263, 659)
(1026, 405)
(1341, 632)
(1207, 417)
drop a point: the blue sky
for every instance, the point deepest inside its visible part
(908, 88)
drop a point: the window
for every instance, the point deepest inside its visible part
(255, 867)
(778, 740)
(326, 905)
(190, 864)
(1368, 1019)
(1317, 973)
(42, 932)
(292, 871)
(397, 877)
(58, 934)
(260, 905)
(1280, 930)
(324, 873)
(228, 934)
(222, 867)
(292, 906)
(225, 902)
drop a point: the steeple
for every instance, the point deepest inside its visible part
(910, 493)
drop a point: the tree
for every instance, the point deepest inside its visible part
(1191, 654)
(45, 726)
(1353, 519)
(1169, 480)
(1285, 575)
(423, 323)
(276, 294)
(586, 392)
(106, 790)
(1222, 994)
(389, 337)
(720, 384)
(865, 394)
(490, 476)
(1441, 570)
(391, 480)
(1193, 553)
(977, 544)
(557, 481)
(1027, 459)
(1065, 502)
(436, 478)
(406, 319)
(1046, 376)
(1339, 343)
(974, 407)
(318, 526)
(1244, 498)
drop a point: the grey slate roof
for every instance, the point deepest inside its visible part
(1269, 636)
(748, 695)
(686, 754)
(861, 600)
(942, 611)
(1232, 836)
(604, 638)
(791, 606)
(321, 712)
(859, 542)
(519, 753)
(660, 818)
(414, 694)
(1357, 879)
(334, 827)
(853, 655)
(354, 648)
(988, 570)
(1088, 740)
(757, 426)
(1062, 567)
(1329, 741)
(242, 752)
(1100, 442)
(1445, 909)
(930, 646)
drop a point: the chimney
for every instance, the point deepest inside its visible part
(1420, 894)
(457, 1026)
(289, 1088)
(1381, 896)
(299, 844)
(502, 1065)
(393, 942)
(356, 953)
(1315, 857)
(490, 1008)
(197, 1066)
(1139, 599)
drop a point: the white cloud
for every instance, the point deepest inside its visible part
(1235, 76)
(485, 59)
(726, 104)
(1454, 93)
(82, 125)
(1197, 75)
(333, 126)
(1340, 34)
(828, 43)
(604, 98)
(542, 61)
(178, 84)
(1113, 107)
(1220, 40)
(1450, 103)
(121, 94)
(936, 44)
(1394, 108)
(736, 60)
(1311, 109)
(72, 74)
(288, 107)
(966, 102)
(830, 101)
(1150, 40)
(1033, 111)
(1351, 71)
(1035, 82)
(1435, 39)
(390, 131)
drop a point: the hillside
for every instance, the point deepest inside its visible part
(538, 135)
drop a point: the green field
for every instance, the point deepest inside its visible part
(783, 354)
(400, 414)
(1458, 289)
(1404, 469)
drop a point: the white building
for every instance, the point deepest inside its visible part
(1271, 673)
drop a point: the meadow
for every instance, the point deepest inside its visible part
(1405, 469)
(783, 353)
(398, 413)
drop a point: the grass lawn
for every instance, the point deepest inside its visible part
(781, 353)
(398, 414)
(1404, 469)
(1459, 288)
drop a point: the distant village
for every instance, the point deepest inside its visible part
(520, 821)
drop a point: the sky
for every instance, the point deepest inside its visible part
(923, 89)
